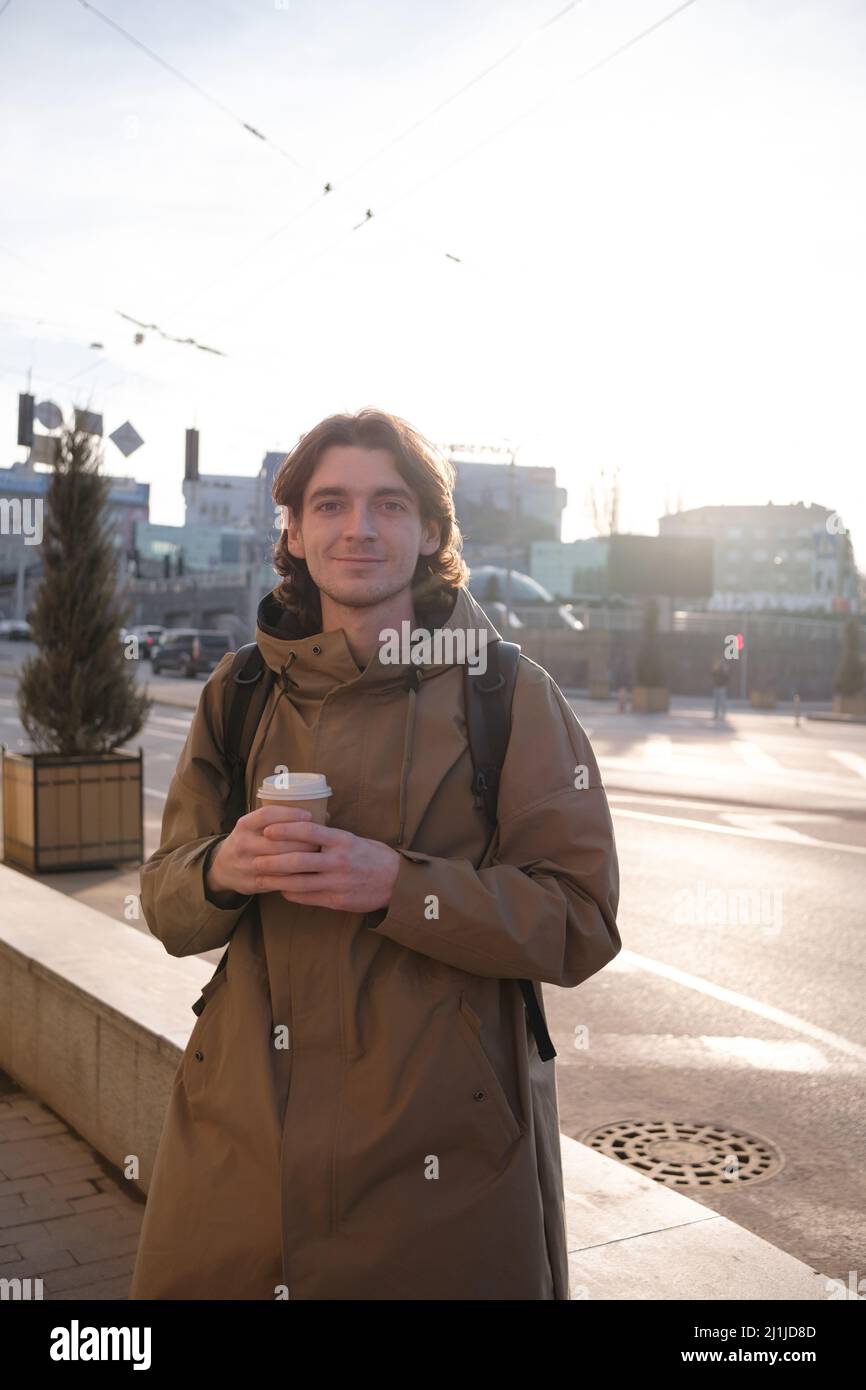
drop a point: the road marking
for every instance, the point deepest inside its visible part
(678, 1052)
(149, 791)
(723, 807)
(805, 841)
(850, 760)
(627, 958)
(731, 773)
(167, 719)
(755, 757)
(659, 748)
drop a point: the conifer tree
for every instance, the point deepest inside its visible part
(80, 693)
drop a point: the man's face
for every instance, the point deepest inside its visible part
(361, 530)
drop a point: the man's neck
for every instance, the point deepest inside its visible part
(362, 626)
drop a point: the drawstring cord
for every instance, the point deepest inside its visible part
(413, 680)
(285, 679)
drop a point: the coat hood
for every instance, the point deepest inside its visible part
(310, 665)
(314, 663)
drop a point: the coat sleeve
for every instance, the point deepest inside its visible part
(545, 909)
(174, 901)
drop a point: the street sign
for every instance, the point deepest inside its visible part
(127, 439)
(49, 415)
(88, 422)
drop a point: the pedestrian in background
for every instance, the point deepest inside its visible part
(720, 688)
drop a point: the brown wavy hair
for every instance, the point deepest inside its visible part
(420, 464)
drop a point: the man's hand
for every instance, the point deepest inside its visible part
(233, 867)
(336, 869)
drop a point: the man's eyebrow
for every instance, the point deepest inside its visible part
(394, 491)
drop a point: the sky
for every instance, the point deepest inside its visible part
(617, 251)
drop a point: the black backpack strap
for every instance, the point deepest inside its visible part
(246, 694)
(488, 701)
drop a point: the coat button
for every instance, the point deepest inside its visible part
(199, 1056)
(317, 649)
(479, 1095)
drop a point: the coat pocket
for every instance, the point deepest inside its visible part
(201, 1056)
(490, 1090)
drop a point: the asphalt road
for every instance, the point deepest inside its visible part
(737, 998)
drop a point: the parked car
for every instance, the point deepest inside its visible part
(14, 630)
(189, 651)
(148, 637)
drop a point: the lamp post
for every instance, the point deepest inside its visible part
(512, 511)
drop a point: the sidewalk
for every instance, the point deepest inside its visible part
(64, 1218)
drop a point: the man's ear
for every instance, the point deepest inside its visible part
(432, 538)
(293, 534)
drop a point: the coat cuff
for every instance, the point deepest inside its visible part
(181, 898)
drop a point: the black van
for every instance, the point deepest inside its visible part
(190, 651)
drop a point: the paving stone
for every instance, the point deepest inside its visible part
(78, 1173)
(13, 1235)
(65, 1191)
(91, 1273)
(50, 1259)
(48, 1210)
(34, 1184)
(109, 1288)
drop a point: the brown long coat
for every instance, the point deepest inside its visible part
(398, 1137)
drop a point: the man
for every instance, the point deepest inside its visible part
(361, 1111)
(720, 688)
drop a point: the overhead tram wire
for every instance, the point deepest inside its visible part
(494, 135)
(340, 183)
(524, 115)
(181, 77)
(615, 53)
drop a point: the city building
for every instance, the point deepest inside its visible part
(792, 557)
(482, 499)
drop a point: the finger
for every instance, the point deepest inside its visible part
(309, 831)
(306, 891)
(269, 815)
(304, 885)
(292, 862)
(269, 847)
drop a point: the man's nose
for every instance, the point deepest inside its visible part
(360, 522)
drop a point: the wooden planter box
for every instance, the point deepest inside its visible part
(84, 811)
(850, 704)
(650, 699)
(762, 699)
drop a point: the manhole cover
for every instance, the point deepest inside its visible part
(681, 1154)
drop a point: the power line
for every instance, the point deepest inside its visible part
(341, 183)
(181, 77)
(524, 115)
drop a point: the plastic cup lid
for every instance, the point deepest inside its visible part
(295, 786)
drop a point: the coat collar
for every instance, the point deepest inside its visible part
(314, 663)
(309, 665)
